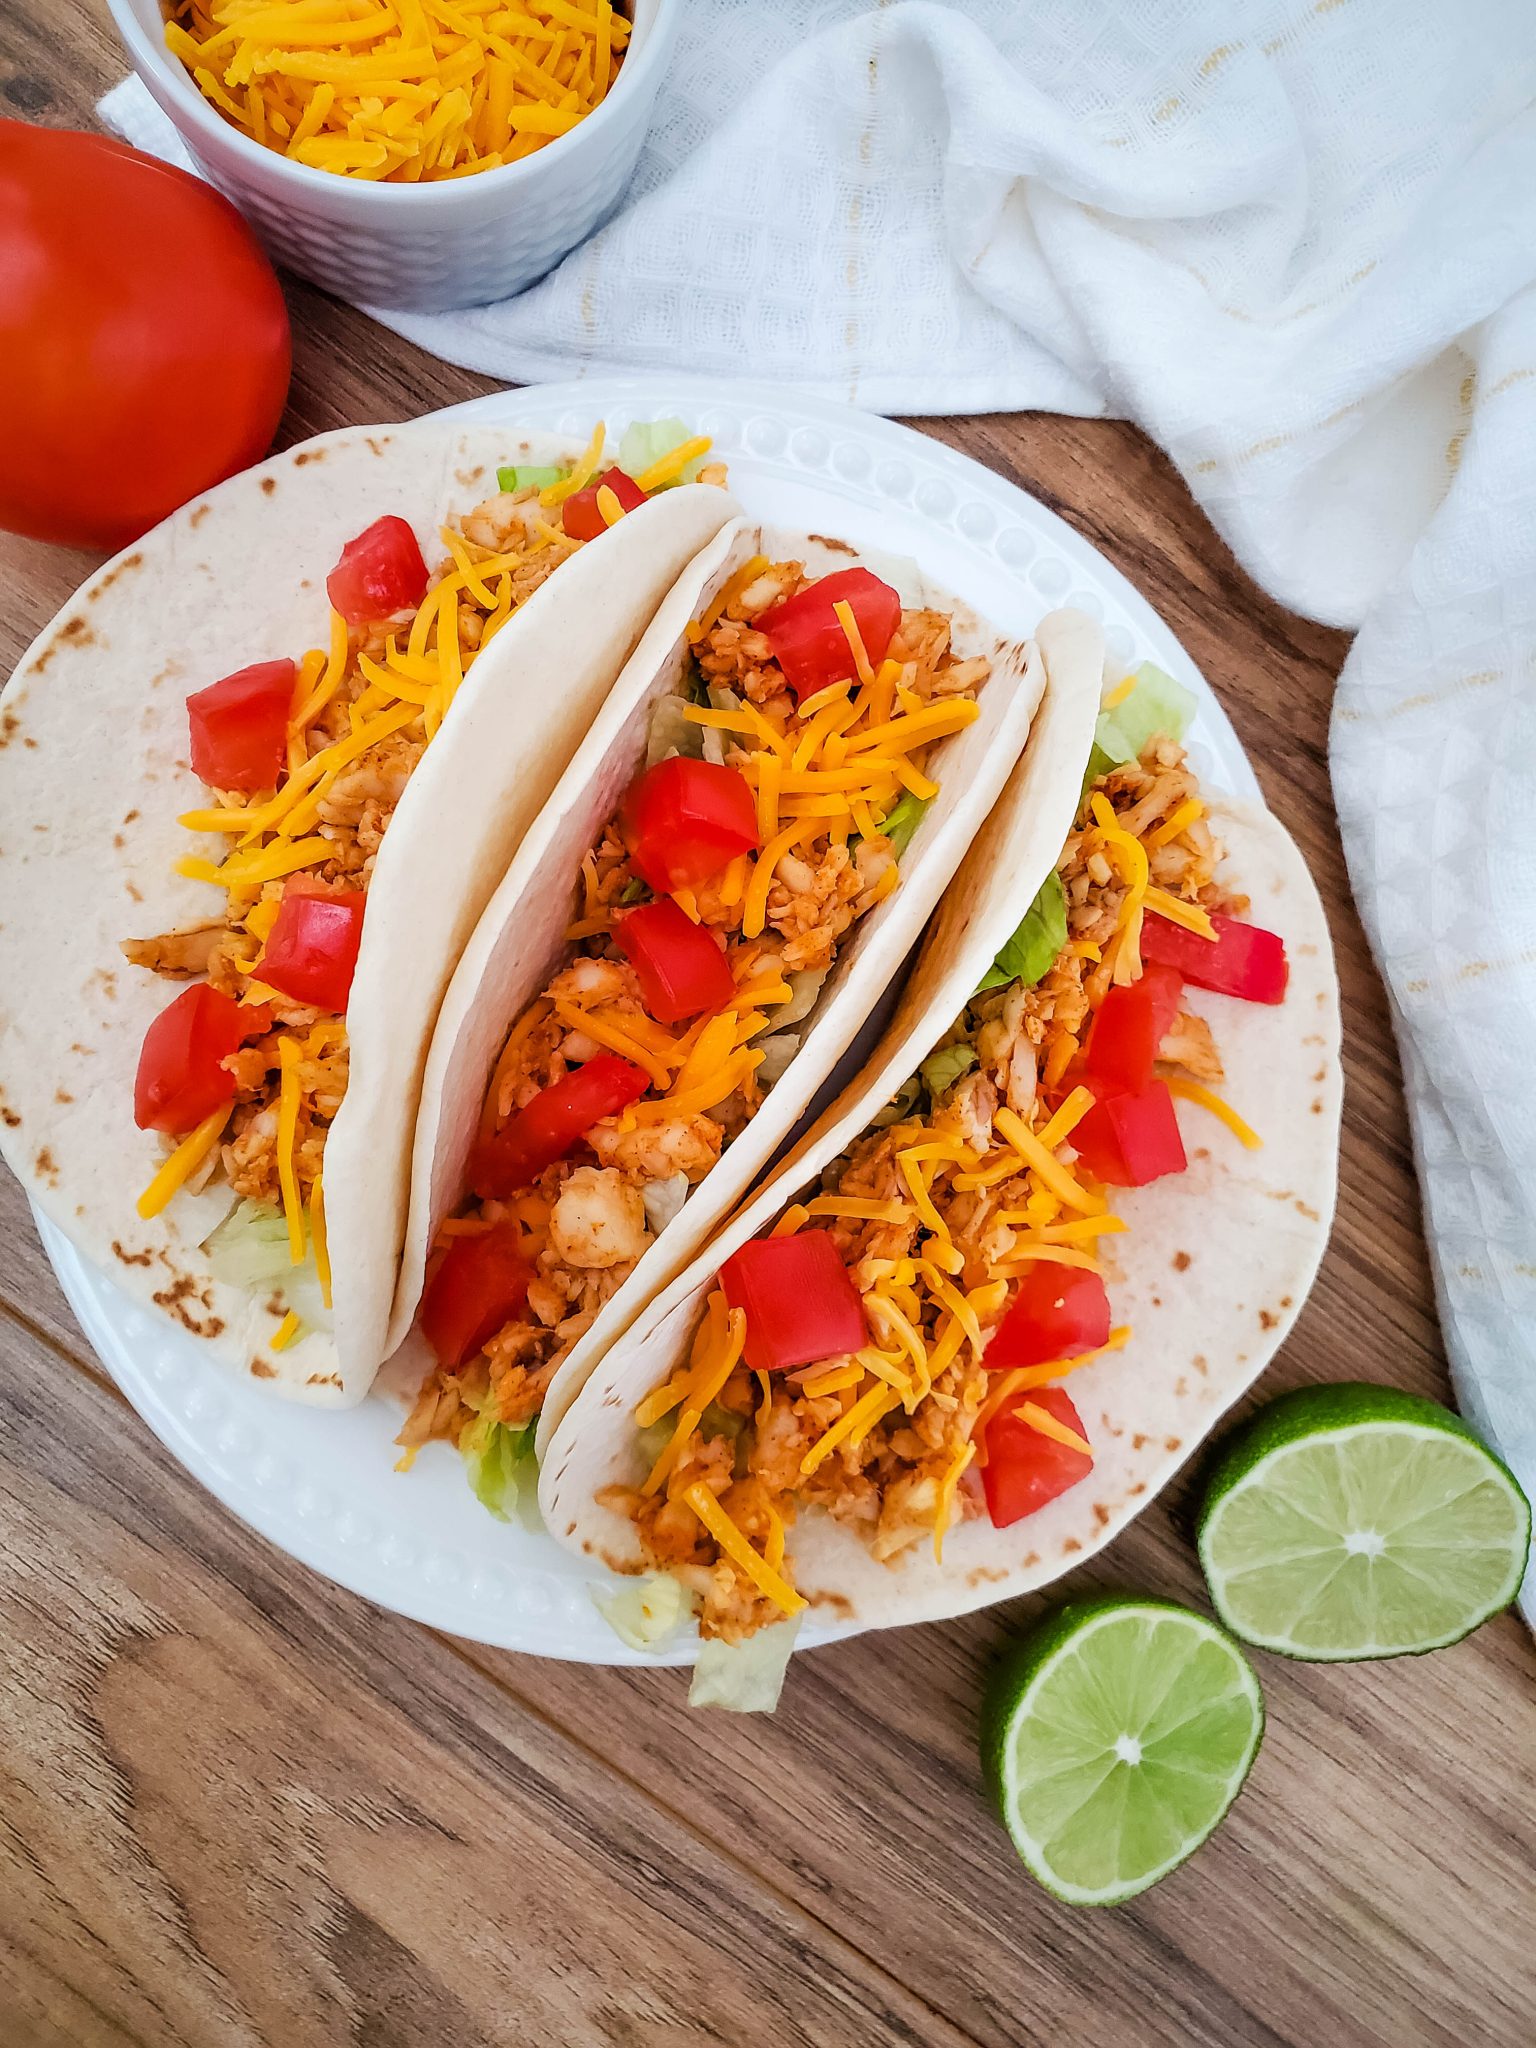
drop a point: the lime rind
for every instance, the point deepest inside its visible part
(1321, 1471)
(1093, 1826)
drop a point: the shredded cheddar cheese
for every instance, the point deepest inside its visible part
(1192, 1091)
(317, 1238)
(406, 93)
(739, 1550)
(183, 1163)
(1044, 1421)
(944, 1504)
(288, 1103)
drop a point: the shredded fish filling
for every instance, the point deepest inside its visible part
(824, 775)
(364, 710)
(937, 1218)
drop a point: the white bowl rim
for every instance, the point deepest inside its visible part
(153, 58)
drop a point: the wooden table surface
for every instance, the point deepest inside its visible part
(241, 1807)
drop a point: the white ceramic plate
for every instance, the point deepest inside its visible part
(322, 1487)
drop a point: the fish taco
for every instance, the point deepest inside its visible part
(714, 901)
(1013, 1276)
(238, 874)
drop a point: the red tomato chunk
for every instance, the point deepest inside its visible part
(801, 1305)
(481, 1284)
(1131, 1024)
(239, 727)
(1243, 960)
(1026, 1469)
(686, 820)
(181, 1078)
(1129, 1140)
(807, 636)
(582, 516)
(380, 573)
(553, 1124)
(1058, 1312)
(311, 950)
(681, 966)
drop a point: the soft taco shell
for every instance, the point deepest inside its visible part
(521, 938)
(94, 770)
(1213, 1268)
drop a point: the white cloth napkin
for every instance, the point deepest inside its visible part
(1296, 241)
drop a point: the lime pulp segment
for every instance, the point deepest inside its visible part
(1119, 1733)
(1372, 1525)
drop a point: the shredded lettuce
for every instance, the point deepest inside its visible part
(718, 1421)
(806, 983)
(633, 891)
(900, 1106)
(663, 1199)
(1041, 934)
(943, 1069)
(646, 441)
(502, 1469)
(745, 1677)
(529, 476)
(672, 732)
(1156, 704)
(651, 1441)
(643, 1612)
(898, 825)
(249, 1249)
(777, 1049)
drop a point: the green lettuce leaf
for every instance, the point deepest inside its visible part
(1041, 934)
(500, 1465)
(1156, 704)
(900, 1106)
(942, 1069)
(646, 441)
(249, 1249)
(745, 1677)
(899, 824)
(643, 1612)
(529, 476)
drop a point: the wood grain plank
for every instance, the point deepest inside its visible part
(243, 1808)
(1367, 1888)
(240, 1806)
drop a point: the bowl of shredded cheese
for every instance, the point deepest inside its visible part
(410, 153)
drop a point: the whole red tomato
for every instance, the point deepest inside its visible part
(143, 336)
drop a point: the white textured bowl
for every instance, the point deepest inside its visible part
(458, 242)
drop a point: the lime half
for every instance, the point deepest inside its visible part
(1115, 1736)
(1354, 1521)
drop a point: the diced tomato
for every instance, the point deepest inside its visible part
(481, 1284)
(582, 516)
(1243, 959)
(1129, 1026)
(180, 1078)
(1058, 1312)
(686, 819)
(553, 1124)
(681, 965)
(239, 727)
(807, 636)
(1128, 1140)
(801, 1304)
(380, 573)
(1025, 1468)
(311, 950)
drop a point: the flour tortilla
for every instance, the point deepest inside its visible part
(1210, 1274)
(521, 941)
(94, 769)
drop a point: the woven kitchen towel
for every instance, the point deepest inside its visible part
(1296, 241)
